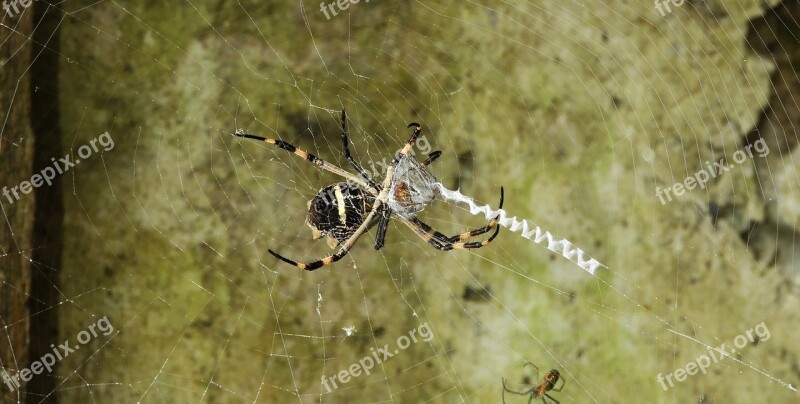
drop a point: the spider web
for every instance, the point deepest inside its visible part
(578, 110)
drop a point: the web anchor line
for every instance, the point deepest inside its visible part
(564, 247)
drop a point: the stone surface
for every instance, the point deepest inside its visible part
(579, 110)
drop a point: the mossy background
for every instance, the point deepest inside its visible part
(578, 109)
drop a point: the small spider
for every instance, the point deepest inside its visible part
(343, 212)
(539, 391)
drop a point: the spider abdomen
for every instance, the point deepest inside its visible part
(337, 211)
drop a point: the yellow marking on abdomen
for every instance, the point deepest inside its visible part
(337, 190)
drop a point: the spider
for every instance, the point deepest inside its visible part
(343, 212)
(539, 391)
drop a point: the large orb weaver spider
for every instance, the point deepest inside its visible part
(343, 212)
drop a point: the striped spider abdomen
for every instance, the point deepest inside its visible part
(337, 211)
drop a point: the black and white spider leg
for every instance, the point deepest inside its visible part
(318, 162)
(482, 230)
(444, 243)
(383, 224)
(439, 240)
(346, 148)
(431, 158)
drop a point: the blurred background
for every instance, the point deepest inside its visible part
(136, 226)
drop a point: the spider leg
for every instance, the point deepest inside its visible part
(521, 393)
(482, 230)
(409, 144)
(383, 223)
(431, 158)
(346, 148)
(439, 240)
(534, 366)
(444, 243)
(368, 221)
(320, 163)
(313, 265)
(551, 398)
(563, 382)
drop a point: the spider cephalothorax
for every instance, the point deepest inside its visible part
(343, 212)
(412, 187)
